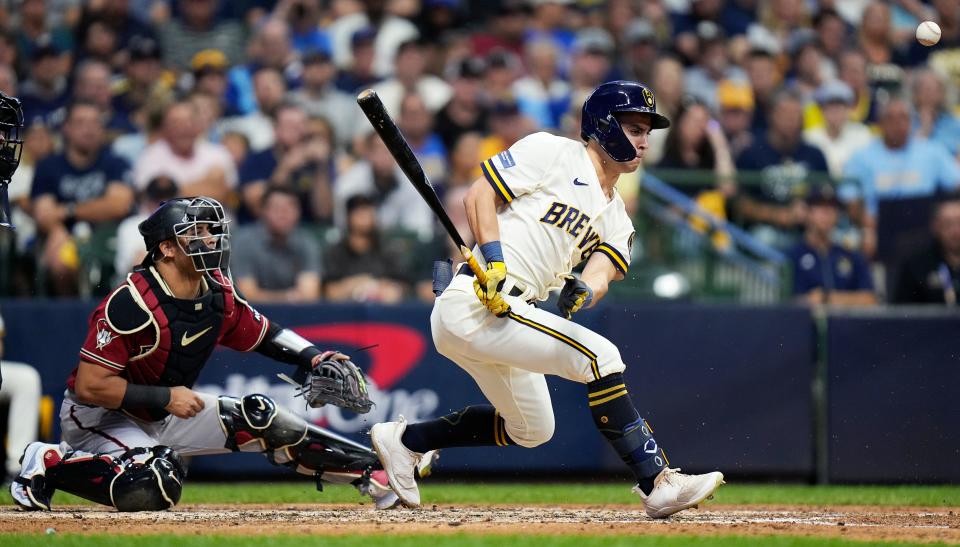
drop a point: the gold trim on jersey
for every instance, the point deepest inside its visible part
(496, 181)
(563, 338)
(614, 256)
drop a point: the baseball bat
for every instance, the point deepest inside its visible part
(373, 109)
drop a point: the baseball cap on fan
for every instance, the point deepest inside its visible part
(593, 40)
(836, 91)
(143, 48)
(735, 95)
(640, 31)
(209, 60)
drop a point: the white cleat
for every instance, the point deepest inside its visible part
(673, 491)
(28, 489)
(400, 463)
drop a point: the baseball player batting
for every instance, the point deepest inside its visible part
(542, 207)
(130, 413)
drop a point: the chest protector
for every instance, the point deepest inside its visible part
(187, 331)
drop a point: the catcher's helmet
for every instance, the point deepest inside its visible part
(599, 123)
(200, 228)
(11, 122)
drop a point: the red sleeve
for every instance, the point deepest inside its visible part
(103, 345)
(245, 328)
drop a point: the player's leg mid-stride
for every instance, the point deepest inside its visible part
(543, 206)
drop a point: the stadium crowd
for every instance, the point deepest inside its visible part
(820, 126)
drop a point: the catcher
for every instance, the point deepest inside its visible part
(129, 413)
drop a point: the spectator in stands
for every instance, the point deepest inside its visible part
(696, 141)
(209, 68)
(765, 78)
(359, 74)
(853, 72)
(389, 32)
(270, 90)
(35, 30)
(278, 261)
(808, 67)
(120, 17)
(590, 65)
(505, 31)
(306, 34)
(377, 176)
(712, 66)
(841, 137)
(783, 163)
(876, 39)
(201, 168)
(130, 247)
(416, 124)
(503, 68)
(44, 94)
(295, 161)
(932, 118)
(270, 48)
(410, 76)
(507, 126)
(92, 84)
(319, 97)
(85, 182)
(736, 114)
(896, 166)
(142, 79)
(197, 28)
(99, 41)
(360, 268)
(932, 276)
(832, 33)
(668, 81)
(550, 20)
(825, 273)
(640, 58)
(466, 111)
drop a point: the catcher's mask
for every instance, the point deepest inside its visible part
(199, 227)
(11, 141)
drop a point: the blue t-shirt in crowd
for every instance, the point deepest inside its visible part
(761, 155)
(57, 176)
(839, 270)
(946, 131)
(918, 169)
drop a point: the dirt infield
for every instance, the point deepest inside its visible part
(863, 523)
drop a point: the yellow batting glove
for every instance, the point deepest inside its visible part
(489, 293)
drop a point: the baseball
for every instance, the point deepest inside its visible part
(928, 33)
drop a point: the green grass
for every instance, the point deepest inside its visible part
(558, 493)
(457, 540)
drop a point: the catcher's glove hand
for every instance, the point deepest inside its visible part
(489, 293)
(337, 381)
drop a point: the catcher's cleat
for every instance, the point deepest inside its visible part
(29, 490)
(398, 461)
(673, 491)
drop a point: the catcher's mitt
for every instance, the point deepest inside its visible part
(338, 382)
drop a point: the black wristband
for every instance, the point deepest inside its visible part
(141, 396)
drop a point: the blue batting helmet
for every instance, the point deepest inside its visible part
(599, 123)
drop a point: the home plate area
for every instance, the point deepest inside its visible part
(864, 523)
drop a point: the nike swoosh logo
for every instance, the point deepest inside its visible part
(187, 340)
(576, 182)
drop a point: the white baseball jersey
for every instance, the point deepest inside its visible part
(556, 214)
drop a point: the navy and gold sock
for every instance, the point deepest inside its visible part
(477, 425)
(629, 434)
